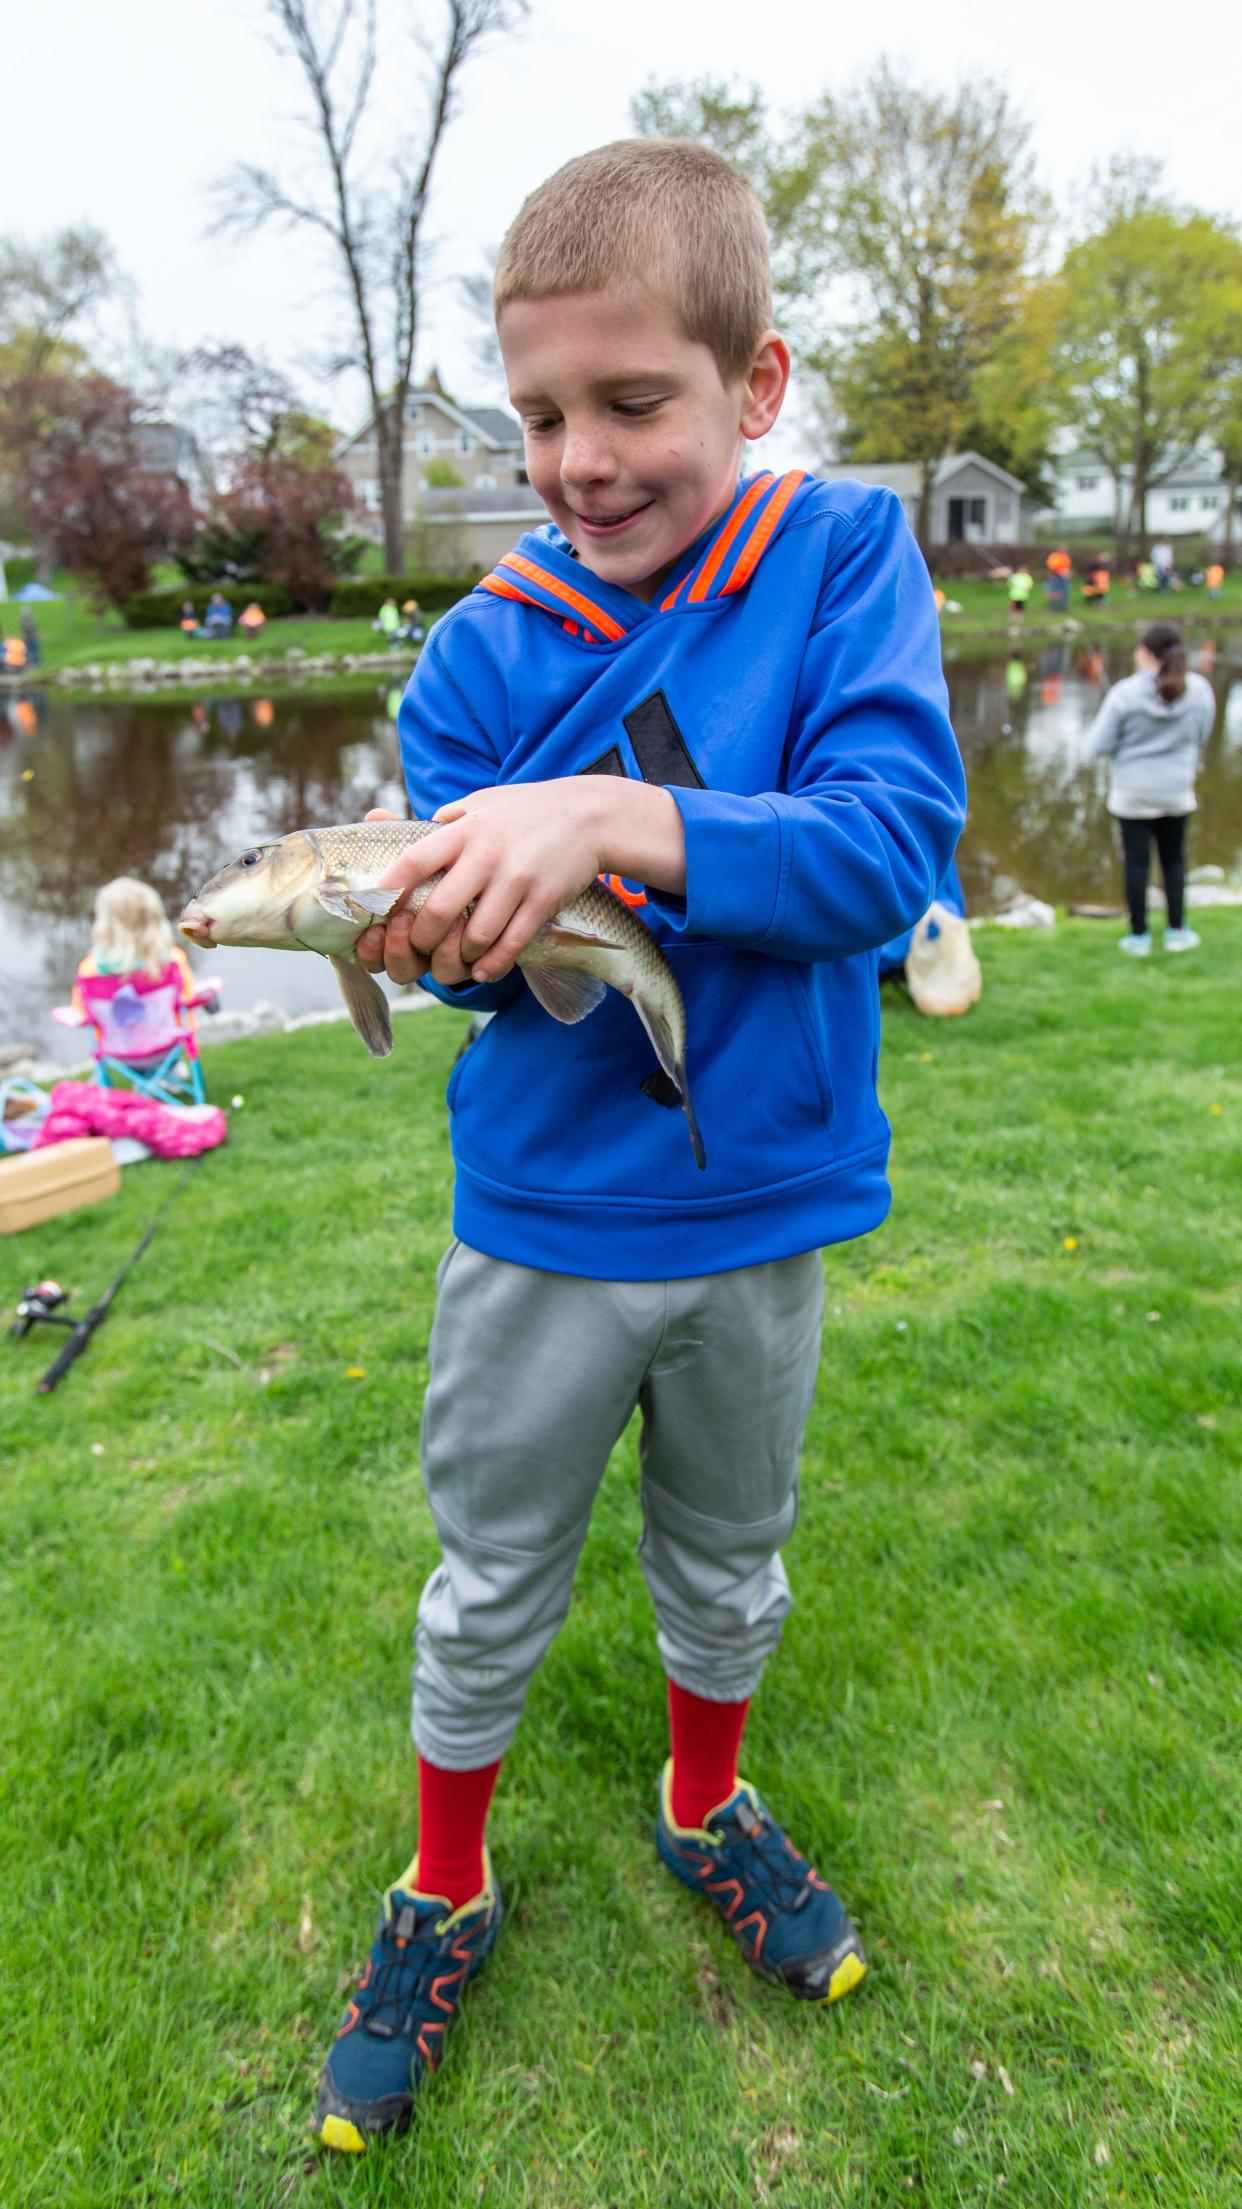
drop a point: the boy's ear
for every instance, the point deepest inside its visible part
(763, 393)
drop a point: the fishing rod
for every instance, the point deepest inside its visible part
(38, 1306)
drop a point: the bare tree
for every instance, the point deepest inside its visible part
(46, 289)
(374, 232)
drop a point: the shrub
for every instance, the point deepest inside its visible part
(19, 572)
(365, 594)
(162, 609)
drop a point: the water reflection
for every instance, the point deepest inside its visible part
(167, 790)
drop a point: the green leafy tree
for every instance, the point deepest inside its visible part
(1151, 320)
(906, 222)
(439, 474)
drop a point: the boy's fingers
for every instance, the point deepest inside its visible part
(379, 813)
(504, 952)
(425, 858)
(370, 948)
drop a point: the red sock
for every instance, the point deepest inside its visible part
(705, 1739)
(452, 1813)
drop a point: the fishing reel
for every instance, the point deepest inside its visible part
(39, 1307)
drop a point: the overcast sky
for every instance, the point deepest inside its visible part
(122, 115)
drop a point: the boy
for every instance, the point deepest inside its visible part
(727, 698)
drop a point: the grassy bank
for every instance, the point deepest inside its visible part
(984, 609)
(1004, 1715)
(74, 636)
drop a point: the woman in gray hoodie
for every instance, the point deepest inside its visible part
(1152, 728)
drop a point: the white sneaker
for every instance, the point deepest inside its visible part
(1137, 946)
(1180, 939)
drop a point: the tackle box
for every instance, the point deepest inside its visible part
(36, 1185)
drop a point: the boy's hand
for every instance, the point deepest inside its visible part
(386, 947)
(517, 853)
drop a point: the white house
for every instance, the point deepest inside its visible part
(1188, 501)
(483, 445)
(973, 501)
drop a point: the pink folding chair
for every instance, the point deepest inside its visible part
(142, 1028)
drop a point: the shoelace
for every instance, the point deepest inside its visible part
(789, 1887)
(391, 1983)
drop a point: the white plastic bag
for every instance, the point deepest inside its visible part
(941, 968)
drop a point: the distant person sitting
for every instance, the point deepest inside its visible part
(1098, 582)
(388, 622)
(14, 656)
(1021, 584)
(412, 628)
(30, 638)
(1146, 576)
(1164, 564)
(188, 623)
(250, 621)
(218, 619)
(1214, 576)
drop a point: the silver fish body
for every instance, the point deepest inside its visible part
(319, 890)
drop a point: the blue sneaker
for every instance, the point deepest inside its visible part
(786, 1920)
(402, 2009)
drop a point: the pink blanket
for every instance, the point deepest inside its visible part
(171, 1131)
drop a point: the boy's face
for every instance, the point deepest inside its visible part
(633, 441)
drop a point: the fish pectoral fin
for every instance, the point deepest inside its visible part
(366, 1005)
(565, 992)
(331, 894)
(379, 902)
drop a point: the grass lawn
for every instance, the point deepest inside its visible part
(1004, 1717)
(73, 635)
(985, 607)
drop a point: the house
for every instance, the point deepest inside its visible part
(1189, 499)
(482, 445)
(973, 501)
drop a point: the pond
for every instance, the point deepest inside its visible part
(170, 789)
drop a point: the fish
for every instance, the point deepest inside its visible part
(319, 889)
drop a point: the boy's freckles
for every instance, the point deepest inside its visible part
(633, 440)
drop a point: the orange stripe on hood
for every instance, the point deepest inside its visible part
(582, 606)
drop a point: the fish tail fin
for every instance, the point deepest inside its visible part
(672, 1059)
(366, 1005)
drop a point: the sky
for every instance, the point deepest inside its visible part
(135, 108)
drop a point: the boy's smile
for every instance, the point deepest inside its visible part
(633, 439)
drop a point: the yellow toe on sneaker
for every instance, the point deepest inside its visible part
(337, 2132)
(847, 1974)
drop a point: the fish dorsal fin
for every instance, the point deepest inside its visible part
(366, 1005)
(567, 994)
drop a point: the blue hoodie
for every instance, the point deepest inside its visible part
(787, 689)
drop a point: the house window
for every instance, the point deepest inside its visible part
(1179, 505)
(1085, 483)
(485, 483)
(1209, 499)
(413, 410)
(465, 442)
(426, 444)
(520, 475)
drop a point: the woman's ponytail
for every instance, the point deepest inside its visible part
(1165, 642)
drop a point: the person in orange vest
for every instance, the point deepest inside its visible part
(250, 621)
(1060, 568)
(1098, 581)
(1214, 576)
(14, 656)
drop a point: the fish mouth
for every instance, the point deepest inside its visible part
(196, 923)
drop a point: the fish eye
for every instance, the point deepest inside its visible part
(251, 858)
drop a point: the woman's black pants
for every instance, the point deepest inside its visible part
(1170, 834)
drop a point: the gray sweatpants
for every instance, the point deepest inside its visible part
(533, 1377)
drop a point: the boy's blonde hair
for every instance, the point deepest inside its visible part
(131, 929)
(662, 212)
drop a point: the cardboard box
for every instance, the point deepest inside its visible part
(37, 1185)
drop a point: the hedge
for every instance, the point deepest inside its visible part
(162, 609)
(365, 594)
(18, 571)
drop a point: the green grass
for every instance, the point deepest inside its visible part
(73, 635)
(1004, 1716)
(985, 607)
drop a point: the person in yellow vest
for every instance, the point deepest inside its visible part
(1021, 584)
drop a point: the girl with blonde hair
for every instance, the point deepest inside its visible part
(132, 934)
